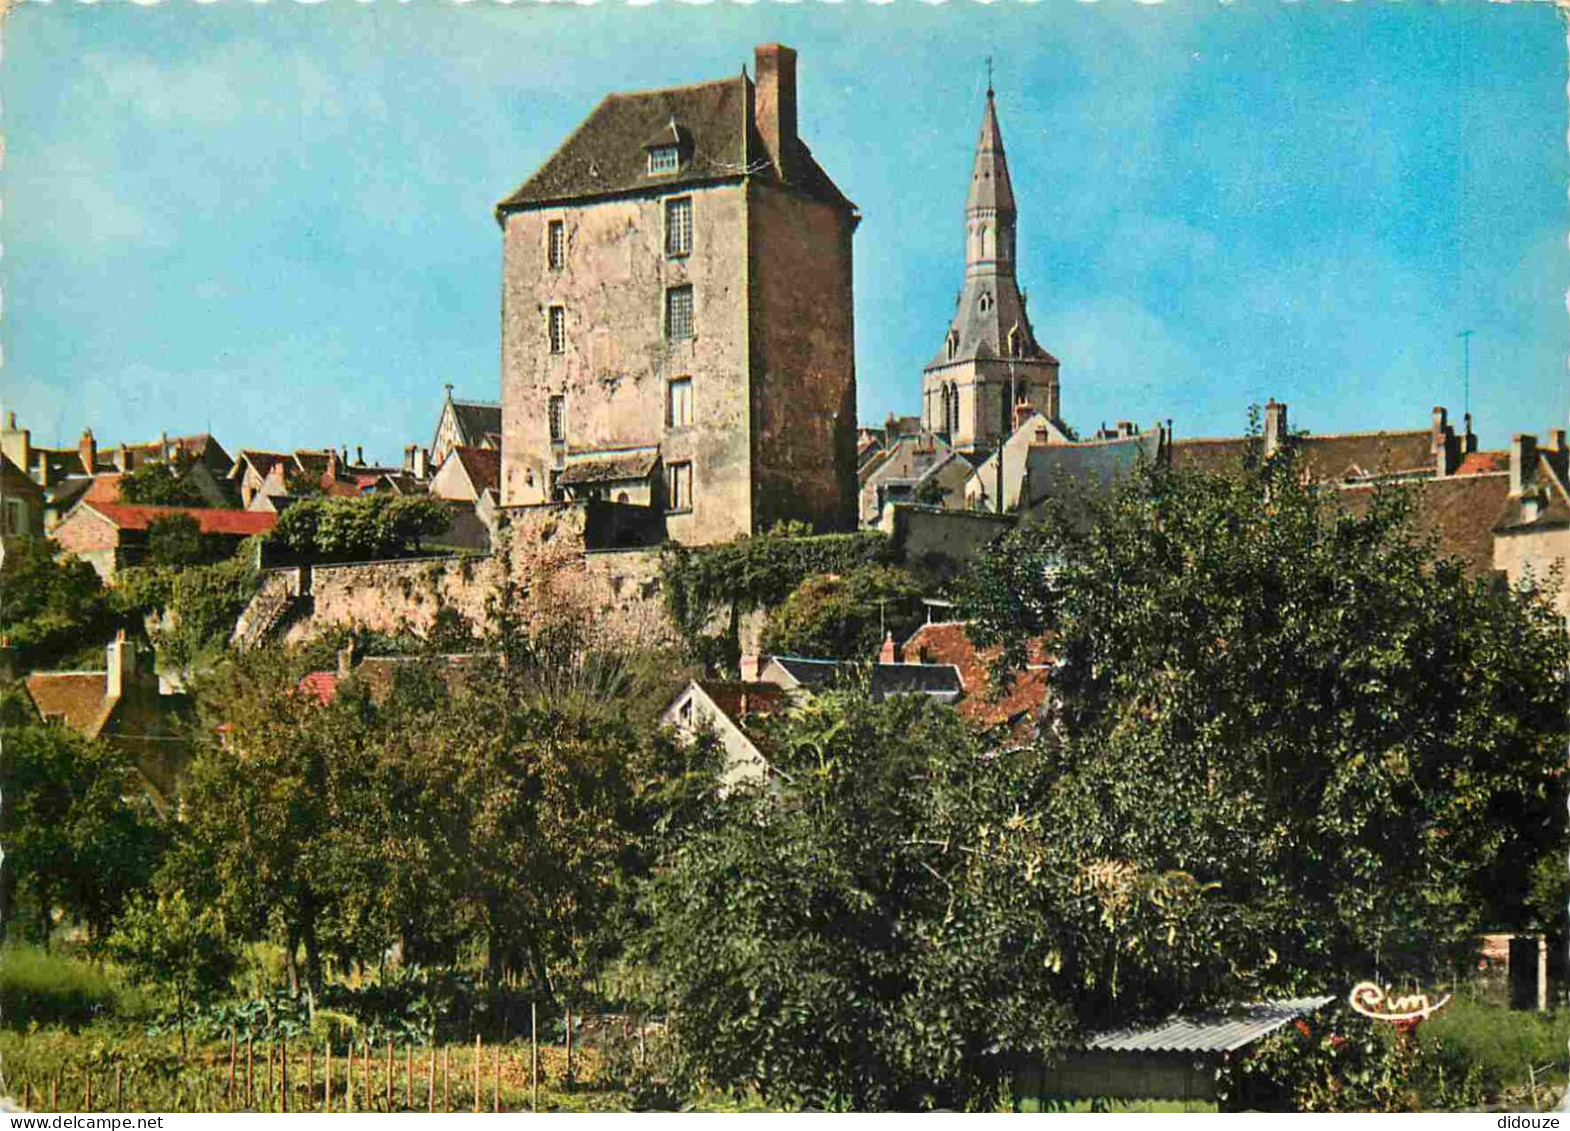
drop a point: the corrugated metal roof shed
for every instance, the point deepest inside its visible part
(1214, 1032)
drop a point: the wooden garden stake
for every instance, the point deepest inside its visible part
(327, 1078)
(446, 1079)
(534, 1053)
(348, 1078)
(310, 1076)
(232, 1044)
(283, 1075)
(408, 1077)
(365, 1064)
(476, 1073)
(569, 1048)
(496, 1079)
(430, 1081)
(249, 1090)
(389, 1074)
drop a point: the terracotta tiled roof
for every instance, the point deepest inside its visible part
(104, 488)
(1547, 491)
(1479, 462)
(79, 699)
(483, 466)
(607, 154)
(321, 686)
(262, 462)
(950, 643)
(1328, 459)
(210, 520)
(1460, 511)
(739, 699)
(1209, 455)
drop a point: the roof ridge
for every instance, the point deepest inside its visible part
(647, 91)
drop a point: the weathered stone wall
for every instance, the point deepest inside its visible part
(617, 362)
(802, 347)
(937, 544)
(397, 596)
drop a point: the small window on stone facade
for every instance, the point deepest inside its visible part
(953, 343)
(678, 487)
(678, 226)
(664, 159)
(558, 327)
(985, 301)
(556, 245)
(678, 313)
(678, 402)
(558, 416)
(1015, 341)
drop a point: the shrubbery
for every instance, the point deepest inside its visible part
(360, 529)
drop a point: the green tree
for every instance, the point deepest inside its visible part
(160, 485)
(79, 831)
(890, 924)
(360, 529)
(176, 540)
(843, 616)
(1298, 703)
(53, 607)
(180, 947)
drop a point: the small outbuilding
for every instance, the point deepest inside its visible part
(1175, 1059)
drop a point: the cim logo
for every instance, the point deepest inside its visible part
(1373, 1000)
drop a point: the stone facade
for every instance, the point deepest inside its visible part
(703, 312)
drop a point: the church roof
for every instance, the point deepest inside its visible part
(990, 187)
(710, 123)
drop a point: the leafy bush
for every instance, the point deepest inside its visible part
(52, 608)
(360, 529)
(843, 616)
(42, 988)
(161, 485)
(1500, 1043)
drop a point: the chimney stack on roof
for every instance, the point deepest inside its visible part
(17, 443)
(1275, 426)
(774, 105)
(87, 450)
(751, 665)
(1523, 463)
(889, 653)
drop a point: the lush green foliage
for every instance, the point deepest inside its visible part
(79, 833)
(177, 540)
(891, 924)
(160, 485)
(1360, 746)
(844, 616)
(195, 606)
(39, 987)
(462, 809)
(703, 582)
(360, 529)
(169, 942)
(52, 608)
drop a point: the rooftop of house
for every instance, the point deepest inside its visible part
(483, 466)
(948, 642)
(1334, 457)
(941, 681)
(78, 699)
(608, 467)
(477, 419)
(209, 520)
(1459, 511)
(608, 154)
(739, 699)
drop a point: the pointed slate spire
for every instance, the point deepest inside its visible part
(990, 189)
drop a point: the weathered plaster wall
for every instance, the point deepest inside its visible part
(802, 340)
(617, 362)
(1535, 550)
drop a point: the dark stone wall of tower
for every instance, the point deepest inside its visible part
(802, 351)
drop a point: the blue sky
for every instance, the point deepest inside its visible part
(274, 221)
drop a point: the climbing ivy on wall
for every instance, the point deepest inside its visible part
(700, 582)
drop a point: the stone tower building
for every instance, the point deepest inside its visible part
(990, 361)
(677, 315)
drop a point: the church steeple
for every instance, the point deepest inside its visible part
(989, 209)
(990, 366)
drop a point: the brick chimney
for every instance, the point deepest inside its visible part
(1446, 449)
(1523, 463)
(1468, 439)
(1275, 426)
(87, 449)
(122, 458)
(751, 665)
(774, 105)
(889, 653)
(17, 443)
(121, 664)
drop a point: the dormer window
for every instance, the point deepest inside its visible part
(664, 159)
(953, 343)
(985, 302)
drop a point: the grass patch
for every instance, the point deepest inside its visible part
(1501, 1042)
(50, 988)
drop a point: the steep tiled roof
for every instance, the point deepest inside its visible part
(608, 468)
(483, 466)
(262, 462)
(941, 681)
(738, 699)
(1054, 468)
(321, 686)
(607, 155)
(1546, 491)
(104, 488)
(950, 643)
(1209, 456)
(79, 699)
(210, 520)
(1328, 459)
(1479, 462)
(1461, 511)
(477, 419)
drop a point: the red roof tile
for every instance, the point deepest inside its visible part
(1479, 462)
(738, 699)
(322, 686)
(104, 488)
(210, 520)
(483, 466)
(1460, 511)
(950, 643)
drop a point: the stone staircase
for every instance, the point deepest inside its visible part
(281, 595)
